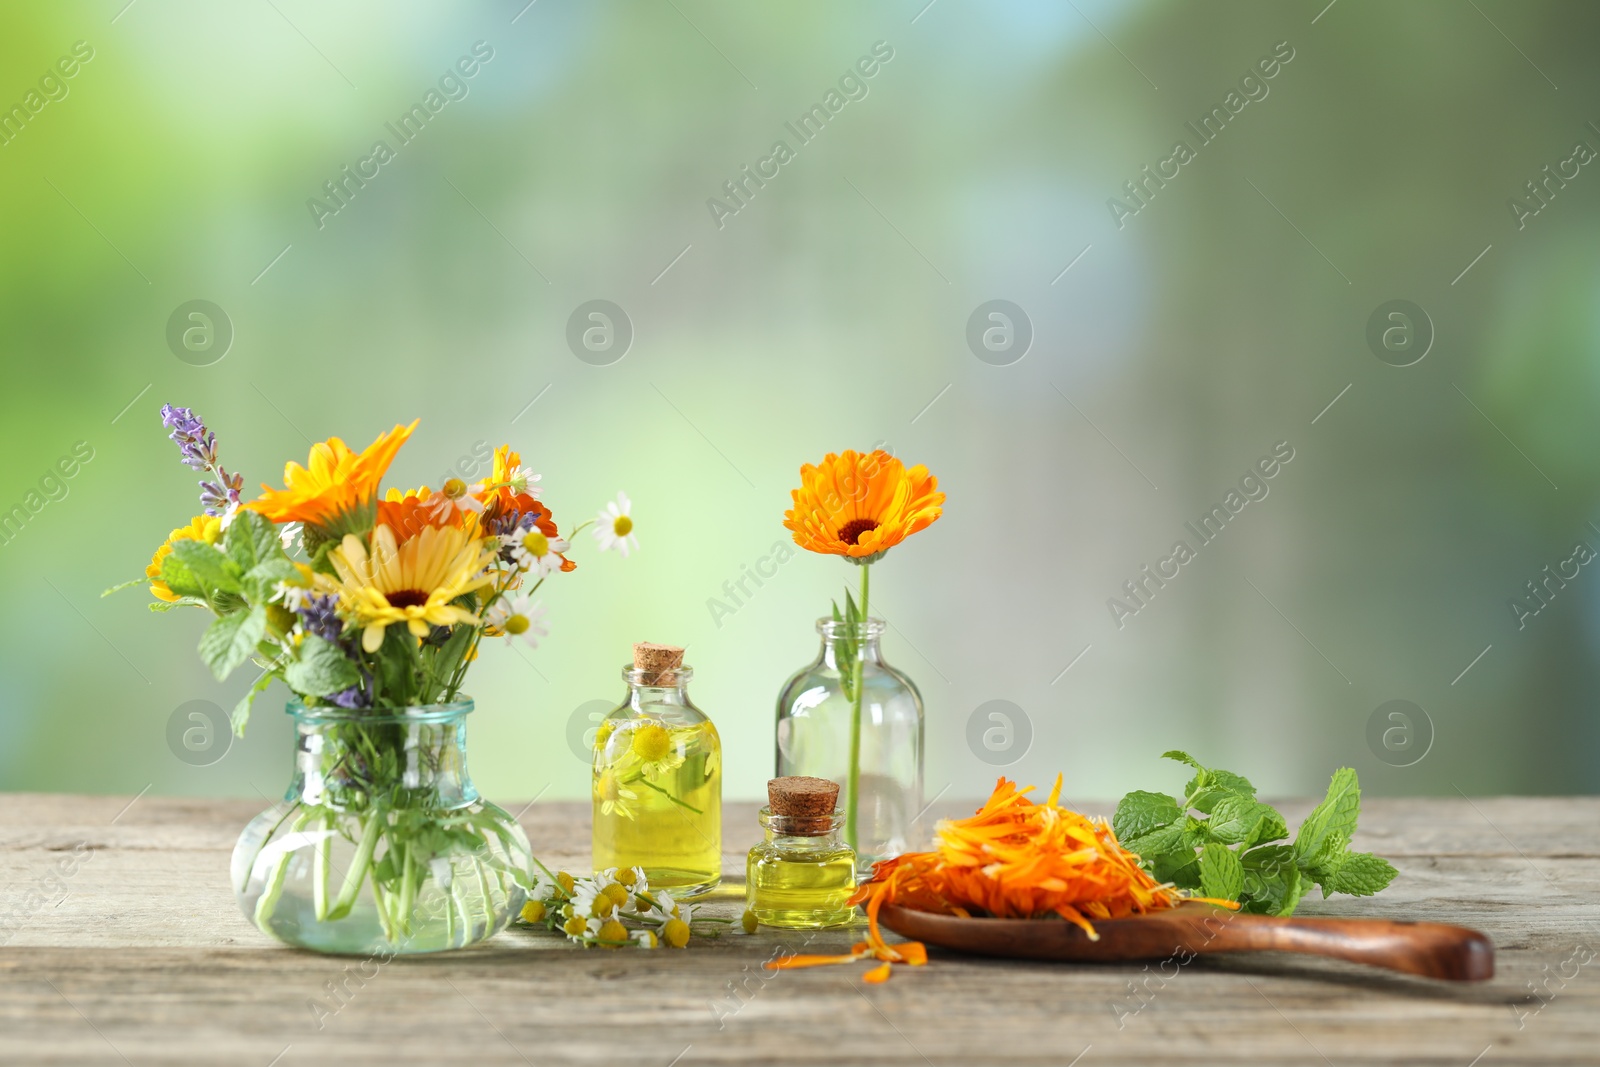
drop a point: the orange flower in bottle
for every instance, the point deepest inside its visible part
(860, 505)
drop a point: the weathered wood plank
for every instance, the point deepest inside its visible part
(140, 956)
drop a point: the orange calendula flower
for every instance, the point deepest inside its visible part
(408, 513)
(339, 489)
(207, 528)
(860, 505)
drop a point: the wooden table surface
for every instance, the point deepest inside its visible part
(140, 956)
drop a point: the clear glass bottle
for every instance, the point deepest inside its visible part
(657, 779)
(813, 738)
(802, 875)
(382, 844)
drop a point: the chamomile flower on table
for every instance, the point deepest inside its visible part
(613, 527)
(656, 749)
(518, 616)
(537, 554)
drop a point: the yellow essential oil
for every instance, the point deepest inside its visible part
(657, 780)
(802, 875)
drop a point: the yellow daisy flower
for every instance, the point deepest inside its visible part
(411, 583)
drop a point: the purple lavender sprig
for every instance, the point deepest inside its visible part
(318, 617)
(198, 446)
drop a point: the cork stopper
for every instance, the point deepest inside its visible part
(659, 663)
(804, 804)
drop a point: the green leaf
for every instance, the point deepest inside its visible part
(1272, 828)
(241, 710)
(251, 540)
(179, 578)
(1221, 873)
(1236, 819)
(164, 606)
(322, 669)
(231, 639)
(1294, 888)
(1329, 821)
(125, 585)
(1361, 874)
(213, 571)
(1140, 812)
(1182, 869)
(1157, 842)
(260, 582)
(1269, 859)
(1182, 757)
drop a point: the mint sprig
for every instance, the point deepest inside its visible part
(1220, 841)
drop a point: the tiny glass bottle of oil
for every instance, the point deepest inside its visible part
(802, 875)
(657, 779)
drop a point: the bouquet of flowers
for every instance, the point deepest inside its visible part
(371, 609)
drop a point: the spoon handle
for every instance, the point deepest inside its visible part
(1433, 950)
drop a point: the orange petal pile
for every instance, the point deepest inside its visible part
(1014, 859)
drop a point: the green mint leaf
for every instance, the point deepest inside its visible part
(261, 581)
(251, 540)
(1157, 842)
(1269, 859)
(1335, 817)
(1182, 757)
(213, 572)
(322, 669)
(1221, 873)
(1237, 819)
(231, 639)
(1361, 874)
(179, 578)
(1182, 869)
(1140, 812)
(125, 585)
(241, 710)
(1210, 786)
(1272, 828)
(1294, 888)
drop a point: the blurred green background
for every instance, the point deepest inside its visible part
(832, 311)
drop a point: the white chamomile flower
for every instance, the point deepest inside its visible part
(613, 527)
(289, 536)
(290, 596)
(521, 480)
(536, 553)
(645, 939)
(667, 908)
(633, 878)
(589, 900)
(453, 498)
(518, 616)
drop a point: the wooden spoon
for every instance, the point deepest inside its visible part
(1433, 950)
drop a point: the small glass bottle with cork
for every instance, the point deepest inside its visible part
(802, 875)
(657, 779)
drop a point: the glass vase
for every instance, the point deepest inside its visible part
(815, 722)
(657, 780)
(381, 844)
